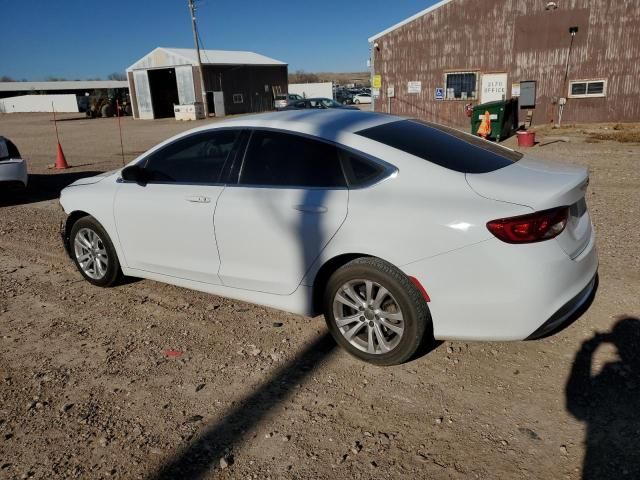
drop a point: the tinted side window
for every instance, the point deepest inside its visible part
(198, 158)
(359, 170)
(282, 159)
(443, 146)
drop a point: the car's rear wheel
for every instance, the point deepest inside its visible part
(374, 311)
(93, 252)
(356, 101)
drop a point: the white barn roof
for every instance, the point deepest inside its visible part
(168, 57)
(62, 85)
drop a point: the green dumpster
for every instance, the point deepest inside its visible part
(503, 115)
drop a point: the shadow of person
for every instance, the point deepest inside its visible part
(609, 403)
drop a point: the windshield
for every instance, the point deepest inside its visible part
(444, 146)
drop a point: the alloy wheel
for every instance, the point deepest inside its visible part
(368, 316)
(91, 253)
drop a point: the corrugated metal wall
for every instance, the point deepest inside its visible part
(522, 39)
(254, 83)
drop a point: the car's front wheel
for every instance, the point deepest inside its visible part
(93, 252)
(357, 102)
(374, 311)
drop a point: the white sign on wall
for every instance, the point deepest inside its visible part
(414, 87)
(391, 92)
(493, 87)
(515, 89)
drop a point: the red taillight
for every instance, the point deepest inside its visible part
(534, 227)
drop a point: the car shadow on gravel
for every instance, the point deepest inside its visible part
(218, 440)
(609, 402)
(42, 187)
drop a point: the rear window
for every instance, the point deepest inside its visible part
(443, 146)
(8, 150)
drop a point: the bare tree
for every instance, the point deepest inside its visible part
(300, 76)
(7, 78)
(116, 76)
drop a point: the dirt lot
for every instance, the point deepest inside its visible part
(89, 387)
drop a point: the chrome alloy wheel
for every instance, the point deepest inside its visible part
(368, 316)
(91, 253)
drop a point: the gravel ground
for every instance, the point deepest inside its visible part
(152, 381)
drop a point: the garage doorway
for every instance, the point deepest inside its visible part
(164, 91)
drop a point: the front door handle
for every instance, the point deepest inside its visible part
(311, 208)
(198, 199)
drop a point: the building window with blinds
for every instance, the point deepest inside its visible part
(461, 85)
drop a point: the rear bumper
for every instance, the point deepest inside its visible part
(13, 172)
(569, 312)
(496, 291)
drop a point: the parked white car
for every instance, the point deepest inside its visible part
(13, 168)
(362, 98)
(393, 228)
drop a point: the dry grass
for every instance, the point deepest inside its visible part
(623, 136)
(597, 132)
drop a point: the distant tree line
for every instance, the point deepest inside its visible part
(300, 76)
(111, 76)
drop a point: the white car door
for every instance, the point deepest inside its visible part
(165, 225)
(290, 200)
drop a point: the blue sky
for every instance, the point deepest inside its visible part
(92, 38)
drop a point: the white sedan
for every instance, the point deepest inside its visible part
(395, 229)
(362, 98)
(13, 168)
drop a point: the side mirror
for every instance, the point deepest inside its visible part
(135, 173)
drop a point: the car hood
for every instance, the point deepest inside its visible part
(94, 179)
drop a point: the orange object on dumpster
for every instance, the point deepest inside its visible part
(485, 126)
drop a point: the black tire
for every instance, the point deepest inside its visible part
(113, 273)
(415, 312)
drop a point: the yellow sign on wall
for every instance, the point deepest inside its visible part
(377, 81)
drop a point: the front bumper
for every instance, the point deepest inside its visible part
(64, 235)
(496, 291)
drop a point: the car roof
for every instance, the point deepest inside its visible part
(320, 123)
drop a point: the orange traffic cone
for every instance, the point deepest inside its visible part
(61, 162)
(485, 126)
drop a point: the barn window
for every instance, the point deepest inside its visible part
(238, 98)
(461, 85)
(587, 88)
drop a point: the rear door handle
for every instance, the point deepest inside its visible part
(198, 199)
(311, 208)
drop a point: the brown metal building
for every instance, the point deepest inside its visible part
(461, 52)
(235, 82)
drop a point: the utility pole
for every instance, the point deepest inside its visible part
(563, 99)
(192, 10)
